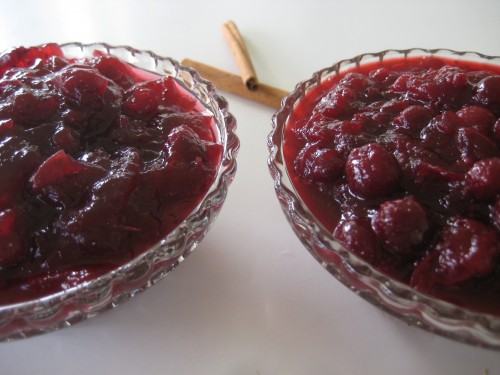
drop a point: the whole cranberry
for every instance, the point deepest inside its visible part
(372, 171)
(382, 76)
(439, 135)
(466, 249)
(483, 179)
(319, 164)
(413, 118)
(87, 88)
(338, 102)
(355, 81)
(444, 88)
(400, 85)
(478, 118)
(401, 225)
(474, 146)
(488, 91)
(358, 238)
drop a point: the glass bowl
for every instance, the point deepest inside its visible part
(108, 291)
(397, 298)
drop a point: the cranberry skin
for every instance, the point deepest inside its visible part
(319, 164)
(55, 169)
(439, 135)
(94, 229)
(354, 81)
(483, 179)
(413, 118)
(6, 128)
(55, 63)
(191, 162)
(401, 225)
(394, 106)
(201, 124)
(31, 107)
(66, 138)
(116, 70)
(18, 160)
(466, 249)
(444, 88)
(496, 131)
(474, 146)
(13, 250)
(400, 85)
(382, 76)
(447, 123)
(8, 220)
(130, 131)
(488, 91)
(358, 238)
(48, 182)
(495, 213)
(171, 94)
(372, 171)
(141, 102)
(11, 245)
(348, 135)
(338, 102)
(87, 88)
(475, 77)
(478, 118)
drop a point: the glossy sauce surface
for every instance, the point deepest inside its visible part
(400, 161)
(98, 161)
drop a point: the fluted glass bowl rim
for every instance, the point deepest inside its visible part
(90, 298)
(417, 309)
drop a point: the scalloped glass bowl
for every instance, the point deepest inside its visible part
(111, 289)
(384, 292)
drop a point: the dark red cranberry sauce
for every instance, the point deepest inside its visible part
(97, 163)
(400, 160)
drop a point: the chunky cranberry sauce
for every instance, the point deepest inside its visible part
(400, 160)
(98, 161)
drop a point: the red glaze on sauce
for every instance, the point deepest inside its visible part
(98, 161)
(401, 161)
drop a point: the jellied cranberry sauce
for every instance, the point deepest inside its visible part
(400, 160)
(98, 161)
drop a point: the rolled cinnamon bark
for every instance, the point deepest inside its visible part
(240, 52)
(267, 95)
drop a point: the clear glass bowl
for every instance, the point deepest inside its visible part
(384, 292)
(108, 291)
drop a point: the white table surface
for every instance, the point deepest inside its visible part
(250, 300)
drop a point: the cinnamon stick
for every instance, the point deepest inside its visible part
(240, 52)
(267, 95)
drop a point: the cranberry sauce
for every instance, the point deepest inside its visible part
(400, 160)
(97, 162)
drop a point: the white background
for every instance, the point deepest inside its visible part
(250, 300)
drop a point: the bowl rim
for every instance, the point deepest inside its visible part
(107, 291)
(398, 299)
